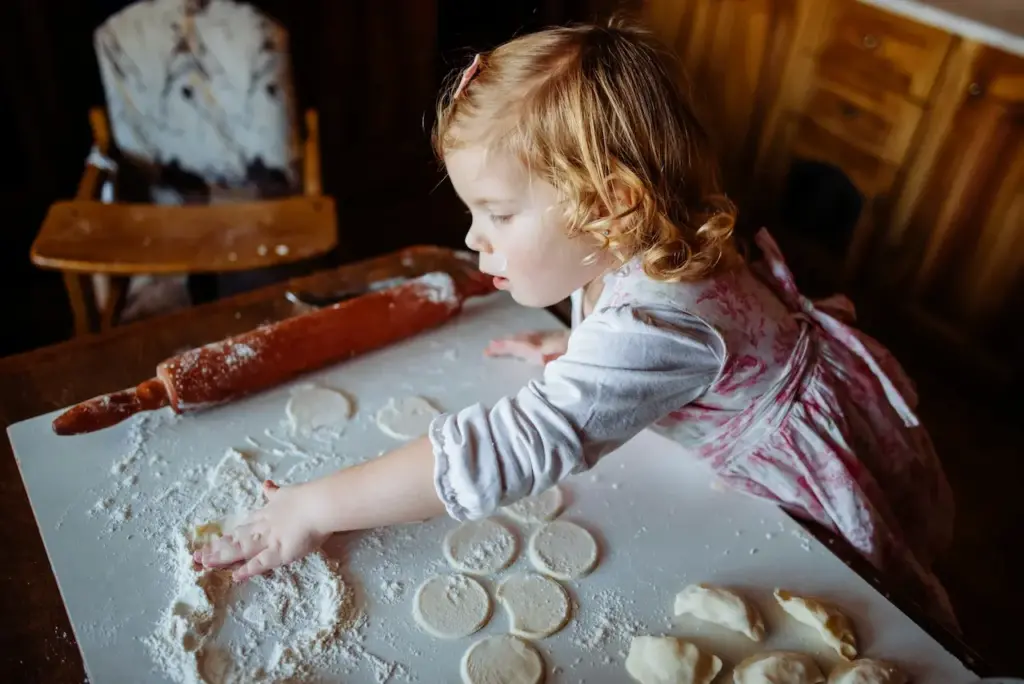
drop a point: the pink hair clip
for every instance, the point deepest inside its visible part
(468, 75)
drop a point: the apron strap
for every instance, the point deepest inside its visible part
(829, 315)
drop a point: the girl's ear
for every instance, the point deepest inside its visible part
(622, 194)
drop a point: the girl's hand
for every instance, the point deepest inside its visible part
(284, 530)
(538, 348)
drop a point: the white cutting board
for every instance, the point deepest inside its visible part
(659, 523)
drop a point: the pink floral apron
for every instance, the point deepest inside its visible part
(816, 416)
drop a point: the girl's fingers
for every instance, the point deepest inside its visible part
(266, 560)
(222, 552)
(520, 350)
(241, 545)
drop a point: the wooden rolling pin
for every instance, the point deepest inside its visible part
(273, 354)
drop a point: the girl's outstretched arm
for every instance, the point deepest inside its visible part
(392, 489)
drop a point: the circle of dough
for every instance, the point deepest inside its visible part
(451, 606)
(563, 550)
(537, 606)
(312, 408)
(502, 659)
(406, 418)
(540, 508)
(480, 547)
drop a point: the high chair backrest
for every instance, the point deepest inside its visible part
(203, 86)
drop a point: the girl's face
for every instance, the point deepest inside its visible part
(519, 229)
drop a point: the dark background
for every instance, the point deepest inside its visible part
(371, 68)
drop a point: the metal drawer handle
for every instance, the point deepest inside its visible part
(870, 41)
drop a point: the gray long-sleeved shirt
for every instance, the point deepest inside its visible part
(626, 367)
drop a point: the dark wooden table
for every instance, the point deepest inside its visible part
(35, 634)
(37, 641)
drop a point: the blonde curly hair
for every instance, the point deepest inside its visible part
(598, 112)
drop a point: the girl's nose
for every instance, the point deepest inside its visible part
(476, 242)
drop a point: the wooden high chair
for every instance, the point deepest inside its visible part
(200, 90)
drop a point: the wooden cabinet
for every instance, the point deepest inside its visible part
(956, 237)
(925, 128)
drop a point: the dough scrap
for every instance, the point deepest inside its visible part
(563, 550)
(539, 508)
(867, 671)
(537, 605)
(833, 625)
(451, 606)
(313, 408)
(502, 659)
(668, 660)
(480, 547)
(722, 607)
(778, 667)
(406, 418)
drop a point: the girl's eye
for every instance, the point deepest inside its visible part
(501, 219)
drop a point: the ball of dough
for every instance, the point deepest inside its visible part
(313, 408)
(451, 606)
(480, 547)
(406, 418)
(537, 605)
(722, 607)
(540, 508)
(778, 667)
(502, 659)
(668, 660)
(563, 550)
(867, 671)
(832, 624)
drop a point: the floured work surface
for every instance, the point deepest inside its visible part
(114, 508)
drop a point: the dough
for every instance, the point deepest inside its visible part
(867, 671)
(778, 667)
(833, 626)
(314, 408)
(406, 418)
(502, 659)
(668, 660)
(540, 508)
(480, 547)
(451, 606)
(563, 550)
(721, 607)
(537, 606)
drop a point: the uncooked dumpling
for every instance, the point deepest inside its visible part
(833, 626)
(537, 605)
(563, 550)
(539, 508)
(502, 659)
(778, 667)
(451, 606)
(480, 547)
(722, 607)
(406, 418)
(313, 408)
(668, 660)
(867, 671)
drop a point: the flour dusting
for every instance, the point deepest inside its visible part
(608, 618)
(280, 627)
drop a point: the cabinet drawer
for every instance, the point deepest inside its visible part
(883, 50)
(881, 124)
(871, 174)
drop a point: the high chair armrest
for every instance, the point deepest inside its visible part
(101, 144)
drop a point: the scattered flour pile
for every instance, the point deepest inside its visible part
(281, 627)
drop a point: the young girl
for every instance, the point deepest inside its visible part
(587, 174)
